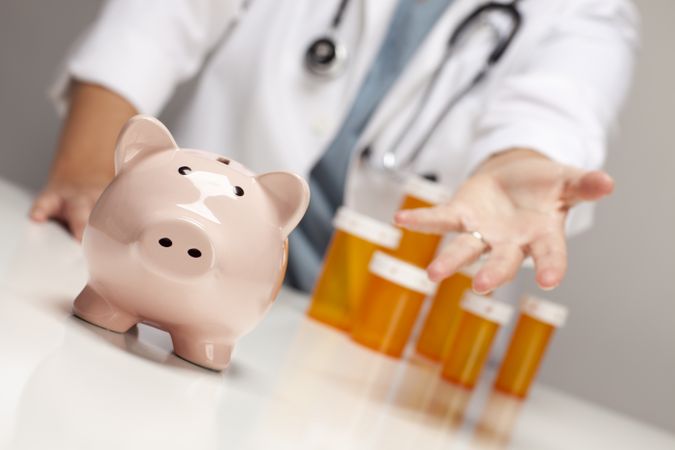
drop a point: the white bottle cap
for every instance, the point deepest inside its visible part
(401, 273)
(426, 190)
(367, 228)
(544, 310)
(487, 308)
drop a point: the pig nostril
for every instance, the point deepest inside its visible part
(165, 242)
(194, 253)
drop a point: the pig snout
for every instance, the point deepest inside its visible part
(177, 247)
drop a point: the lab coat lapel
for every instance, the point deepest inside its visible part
(411, 82)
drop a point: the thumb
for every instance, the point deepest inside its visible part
(588, 186)
(46, 205)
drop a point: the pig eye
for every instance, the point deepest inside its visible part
(224, 161)
(165, 242)
(184, 170)
(238, 191)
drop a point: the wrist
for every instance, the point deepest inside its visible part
(508, 156)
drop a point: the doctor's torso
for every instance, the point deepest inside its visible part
(557, 89)
(257, 102)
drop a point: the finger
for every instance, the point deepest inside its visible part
(437, 219)
(46, 205)
(588, 186)
(501, 267)
(550, 259)
(461, 251)
(76, 215)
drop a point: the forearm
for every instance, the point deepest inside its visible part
(87, 142)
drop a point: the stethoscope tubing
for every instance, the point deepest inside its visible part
(390, 159)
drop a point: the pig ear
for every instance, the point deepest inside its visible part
(290, 197)
(141, 134)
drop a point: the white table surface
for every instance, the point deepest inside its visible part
(293, 383)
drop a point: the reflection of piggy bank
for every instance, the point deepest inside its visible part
(187, 241)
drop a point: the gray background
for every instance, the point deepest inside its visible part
(616, 350)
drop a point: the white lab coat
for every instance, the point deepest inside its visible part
(557, 90)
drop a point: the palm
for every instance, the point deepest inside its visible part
(511, 206)
(519, 205)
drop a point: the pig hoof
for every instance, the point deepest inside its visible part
(205, 353)
(93, 308)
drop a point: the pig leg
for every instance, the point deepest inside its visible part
(210, 352)
(93, 308)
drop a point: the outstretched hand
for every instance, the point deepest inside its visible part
(518, 201)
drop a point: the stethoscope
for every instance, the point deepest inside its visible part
(327, 57)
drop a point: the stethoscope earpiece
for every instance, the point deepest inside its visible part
(325, 57)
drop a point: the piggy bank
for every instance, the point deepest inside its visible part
(187, 241)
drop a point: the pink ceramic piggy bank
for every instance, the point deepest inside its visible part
(188, 242)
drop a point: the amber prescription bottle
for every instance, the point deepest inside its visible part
(345, 269)
(442, 320)
(391, 303)
(538, 320)
(478, 325)
(419, 248)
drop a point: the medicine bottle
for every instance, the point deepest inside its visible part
(537, 322)
(419, 248)
(341, 282)
(480, 320)
(391, 304)
(440, 324)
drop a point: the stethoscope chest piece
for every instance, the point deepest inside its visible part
(325, 57)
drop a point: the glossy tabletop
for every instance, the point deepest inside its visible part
(293, 383)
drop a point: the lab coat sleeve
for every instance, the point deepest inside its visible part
(564, 99)
(143, 49)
